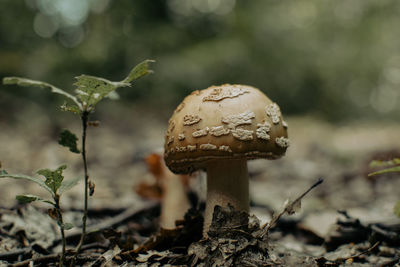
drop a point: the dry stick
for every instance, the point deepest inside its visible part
(52, 258)
(288, 209)
(364, 252)
(7, 256)
(111, 222)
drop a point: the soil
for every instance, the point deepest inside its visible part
(348, 220)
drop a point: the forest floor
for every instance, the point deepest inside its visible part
(364, 233)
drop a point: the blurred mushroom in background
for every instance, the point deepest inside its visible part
(170, 189)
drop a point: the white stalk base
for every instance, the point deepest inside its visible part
(227, 182)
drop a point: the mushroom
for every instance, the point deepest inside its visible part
(169, 188)
(218, 129)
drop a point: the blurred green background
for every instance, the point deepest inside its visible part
(334, 59)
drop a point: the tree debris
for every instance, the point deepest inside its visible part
(290, 208)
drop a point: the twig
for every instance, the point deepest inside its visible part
(12, 254)
(113, 221)
(365, 251)
(288, 209)
(96, 245)
(53, 258)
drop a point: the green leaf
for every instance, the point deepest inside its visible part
(91, 90)
(36, 180)
(3, 172)
(53, 178)
(67, 185)
(67, 226)
(69, 140)
(384, 163)
(397, 209)
(388, 170)
(27, 198)
(139, 71)
(27, 82)
(73, 109)
(32, 198)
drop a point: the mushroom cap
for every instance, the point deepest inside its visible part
(224, 122)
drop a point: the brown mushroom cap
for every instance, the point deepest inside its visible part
(224, 122)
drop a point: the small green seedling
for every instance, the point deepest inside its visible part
(89, 92)
(55, 185)
(391, 166)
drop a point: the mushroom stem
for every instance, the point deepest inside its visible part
(227, 182)
(174, 203)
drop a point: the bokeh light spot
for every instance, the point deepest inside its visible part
(45, 26)
(71, 36)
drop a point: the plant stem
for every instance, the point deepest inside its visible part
(84, 118)
(61, 225)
